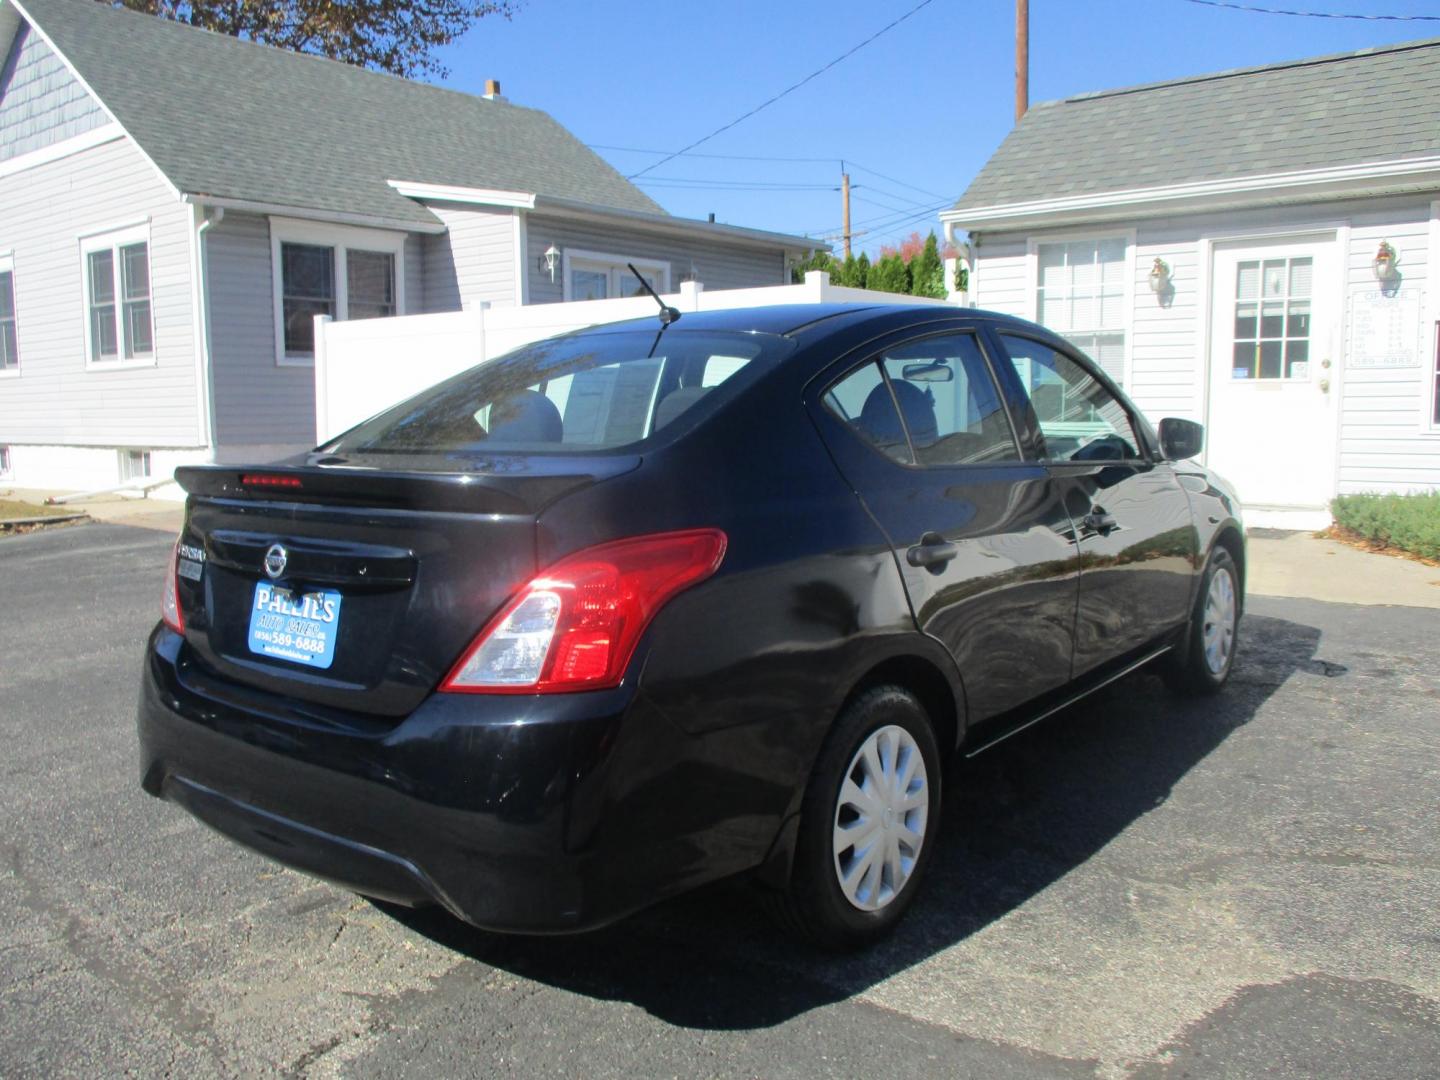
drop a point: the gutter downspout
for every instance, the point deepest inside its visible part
(201, 297)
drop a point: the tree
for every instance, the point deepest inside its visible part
(816, 260)
(890, 274)
(862, 271)
(927, 272)
(398, 36)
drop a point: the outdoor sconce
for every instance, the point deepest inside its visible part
(1384, 264)
(550, 260)
(1159, 277)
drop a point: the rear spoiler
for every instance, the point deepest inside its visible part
(512, 485)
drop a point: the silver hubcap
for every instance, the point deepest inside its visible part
(880, 818)
(1219, 630)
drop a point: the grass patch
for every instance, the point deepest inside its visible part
(11, 509)
(1410, 523)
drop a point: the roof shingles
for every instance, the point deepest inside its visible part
(1374, 105)
(232, 119)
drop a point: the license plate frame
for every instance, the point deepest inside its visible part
(301, 627)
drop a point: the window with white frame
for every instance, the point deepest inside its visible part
(1435, 382)
(119, 320)
(589, 276)
(134, 465)
(340, 272)
(1080, 294)
(4, 461)
(9, 338)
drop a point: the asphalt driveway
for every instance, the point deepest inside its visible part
(1140, 886)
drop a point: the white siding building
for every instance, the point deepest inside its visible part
(1223, 261)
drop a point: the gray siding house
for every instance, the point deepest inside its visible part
(1255, 249)
(177, 206)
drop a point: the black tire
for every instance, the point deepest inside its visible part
(815, 906)
(1188, 670)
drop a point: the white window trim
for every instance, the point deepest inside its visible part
(7, 460)
(1430, 338)
(338, 238)
(113, 239)
(7, 265)
(659, 267)
(1032, 283)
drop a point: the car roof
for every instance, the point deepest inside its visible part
(791, 318)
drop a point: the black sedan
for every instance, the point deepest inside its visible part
(639, 607)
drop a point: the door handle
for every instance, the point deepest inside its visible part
(933, 550)
(1099, 521)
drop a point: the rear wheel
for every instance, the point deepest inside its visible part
(1209, 654)
(868, 823)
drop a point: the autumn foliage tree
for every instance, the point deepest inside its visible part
(398, 36)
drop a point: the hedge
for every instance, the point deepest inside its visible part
(1408, 522)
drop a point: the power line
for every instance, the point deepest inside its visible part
(1314, 14)
(718, 157)
(789, 89)
(902, 183)
(737, 185)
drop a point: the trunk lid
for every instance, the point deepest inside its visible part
(404, 559)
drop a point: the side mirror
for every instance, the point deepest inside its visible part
(1181, 439)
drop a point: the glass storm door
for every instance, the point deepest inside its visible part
(1274, 317)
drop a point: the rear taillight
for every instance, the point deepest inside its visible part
(575, 626)
(271, 481)
(170, 601)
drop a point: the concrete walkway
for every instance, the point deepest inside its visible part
(1303, 566)
(165, 515)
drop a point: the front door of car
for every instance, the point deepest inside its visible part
(981, 535)
(1134, 532)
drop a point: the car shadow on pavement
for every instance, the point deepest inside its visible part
(1017, 819)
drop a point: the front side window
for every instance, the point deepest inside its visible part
(1079, 419)
(117, 299)
(338, 272)
(931, 402)
(605, 277)
(9, 341)
(1080, 294)
(574, 395)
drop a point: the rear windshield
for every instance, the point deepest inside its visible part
(587, 392)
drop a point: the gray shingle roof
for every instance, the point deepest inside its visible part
(1374, 105)
(233, 119)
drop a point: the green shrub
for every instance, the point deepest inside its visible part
(1408, 522)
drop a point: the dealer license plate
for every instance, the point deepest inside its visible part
(295, 626)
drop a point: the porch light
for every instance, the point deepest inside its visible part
(550, 260)
(1159, 276)
(1384, 264)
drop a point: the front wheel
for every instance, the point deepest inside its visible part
(868, 822)
(1209, 652)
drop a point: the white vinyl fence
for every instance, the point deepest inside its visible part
(364, 366)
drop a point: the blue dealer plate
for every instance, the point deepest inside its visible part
(296, 627)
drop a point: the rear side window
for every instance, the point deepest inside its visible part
(1079, 418)
(931, 402)
(576, 394)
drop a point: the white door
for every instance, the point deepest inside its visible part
(1275, 317)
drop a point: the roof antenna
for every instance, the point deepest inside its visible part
(667, 313)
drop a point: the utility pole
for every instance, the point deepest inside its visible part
(845, 208)
(1022, 58)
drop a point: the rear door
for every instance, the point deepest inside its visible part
(981, 536)
(1136, 538)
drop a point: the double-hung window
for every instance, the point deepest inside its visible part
(340, 272)
(9, 339)
(1081, 294)
(119, 320)
(591, 276)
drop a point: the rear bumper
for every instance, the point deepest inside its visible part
(527, 814)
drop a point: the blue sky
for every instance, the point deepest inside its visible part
(924, 105)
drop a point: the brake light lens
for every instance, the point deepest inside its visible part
(271, 481)
(170, 601)
(576, 625)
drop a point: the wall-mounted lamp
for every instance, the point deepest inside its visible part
(1384, 264)
(1159, 277)
(550, 260)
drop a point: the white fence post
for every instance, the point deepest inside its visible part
(322, 379)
